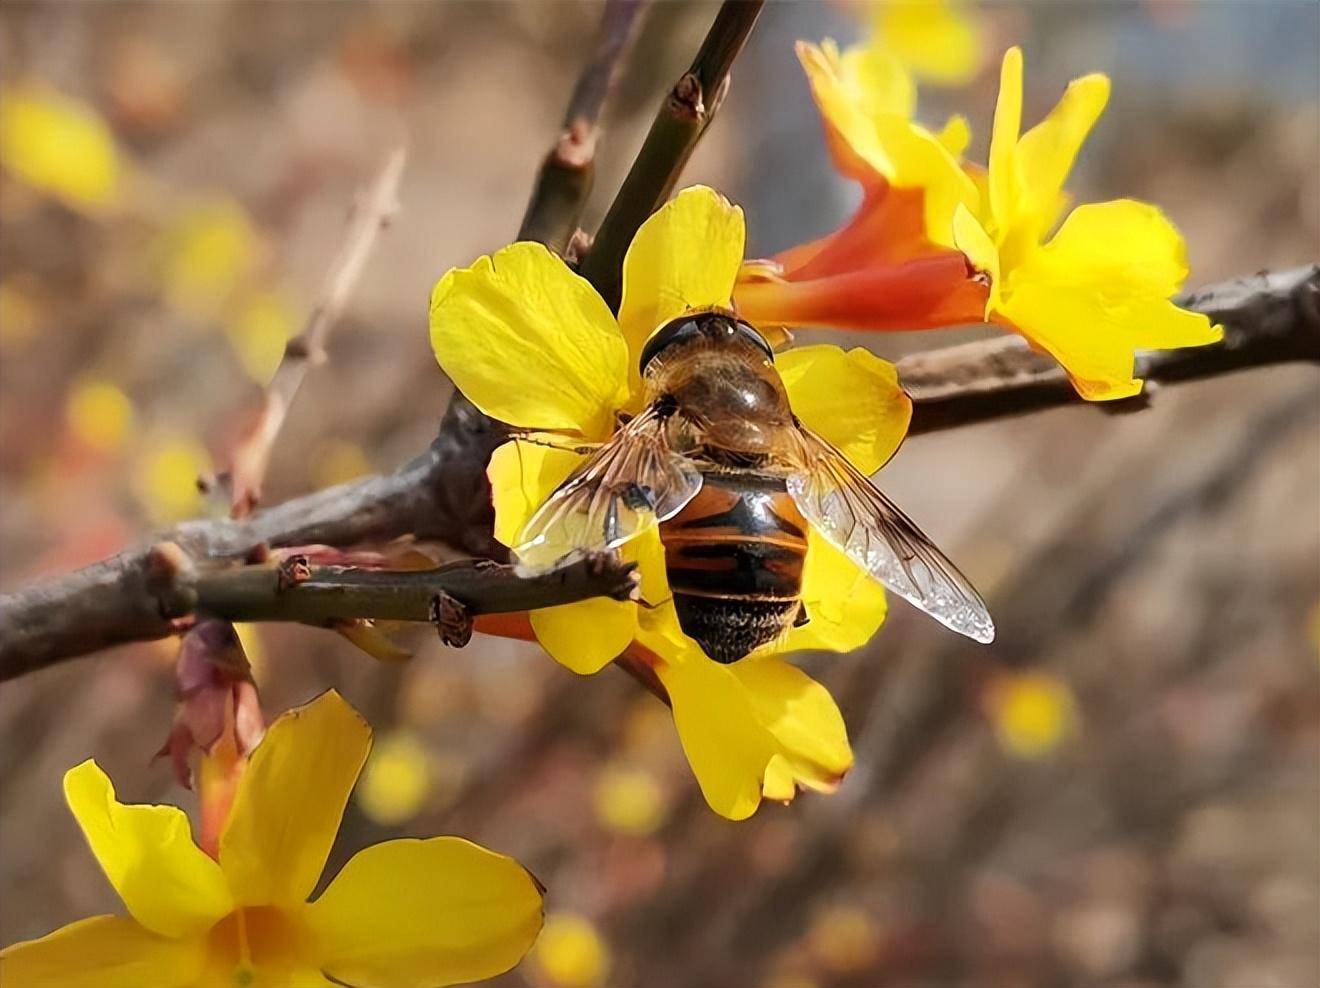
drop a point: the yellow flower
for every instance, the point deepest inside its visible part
(533, 345)
(1099, 289)
(938, 40)
(402, 914)
(58, 145)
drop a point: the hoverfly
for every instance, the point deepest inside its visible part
(718, 459)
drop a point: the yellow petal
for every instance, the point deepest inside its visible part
(588, 635)
(845, 607)
(530, 342)
(939, 40)
(849, 130)
(803, 719)
(522, 475)
(103, 952)
(850, 398)
(58, 145)
(955, 135)
(167, 882)
(920, 160)
(1046, 152)
(759, 723)
(1003, 180)
(290, 800)
(877, 81)
(685, 256)
(425, 913)
(1124, 247)
(1096, 294)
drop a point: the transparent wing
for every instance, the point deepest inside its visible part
(870, 529)
(633, 481)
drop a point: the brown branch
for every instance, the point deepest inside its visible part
(683, 117)
(1268, 318)
(251, 454)
(162, 591)
(565, 177)
(442, 495)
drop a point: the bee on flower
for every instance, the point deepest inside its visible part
(399, 914)
(734, 476)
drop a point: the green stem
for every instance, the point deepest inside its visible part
(683, 117)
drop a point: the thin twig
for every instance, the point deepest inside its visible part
(251, 454)
(565, 177)
(682, 119)
(105, 605)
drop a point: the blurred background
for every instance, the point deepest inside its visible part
(1123, 791)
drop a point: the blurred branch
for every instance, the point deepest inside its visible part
(564, 180)
(160, 591)
(371, 214)
(683, 117)
(1268, 318)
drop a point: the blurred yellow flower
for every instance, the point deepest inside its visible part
(166, 477)
(570, 953)
(844, 939)
(940, 41)
(533, 345)
(398, 915)
(99, 415)
(1099, 289)
(1032, 712)
(396, 779)
(205, 253)
(258, 329)
(337, 461)
(629, 801)
(59, 145)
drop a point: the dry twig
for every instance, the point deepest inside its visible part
(251, 454)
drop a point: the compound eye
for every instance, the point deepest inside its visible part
(680, 330)
(753, 335)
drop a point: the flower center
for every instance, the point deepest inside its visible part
(251, 944)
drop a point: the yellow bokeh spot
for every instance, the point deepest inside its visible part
(570, 953)
(167, 477)
(844, 939)
(19, 315)
(1033, 713)
(397, 778)
(337, 461)
(58, 145)
(99, 415)
(940, 41)
(629, 801)
(258, 329)
(205, 253)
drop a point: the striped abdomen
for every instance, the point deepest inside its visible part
(734, 557)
